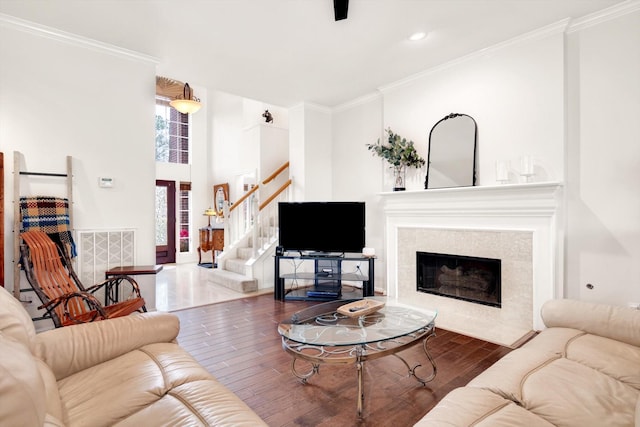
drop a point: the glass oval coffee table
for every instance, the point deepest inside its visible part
(320, 334)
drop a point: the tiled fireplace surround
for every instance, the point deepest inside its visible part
(519, 224)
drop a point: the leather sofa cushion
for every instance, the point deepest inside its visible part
(613, 358)
(470, 406)
(157, 382)
(560, 390)
(618, 323)
(15, 321)
(21, 387)
(171, 409)
(583, 370)
(54, 406)
(506, 376)
(74, 348)
(591, 396)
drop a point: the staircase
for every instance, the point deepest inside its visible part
(233, 266)
(246, 264)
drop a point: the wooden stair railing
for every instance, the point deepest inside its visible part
(260, 214)
(275, 174)
(274, 195)
(244, 197)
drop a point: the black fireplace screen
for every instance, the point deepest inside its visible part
(462, 277)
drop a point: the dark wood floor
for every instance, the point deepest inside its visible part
(238, 342)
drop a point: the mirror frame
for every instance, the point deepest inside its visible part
(475, 147)
(220, 195)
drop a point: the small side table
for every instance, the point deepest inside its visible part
(147, 287)
(211, 239)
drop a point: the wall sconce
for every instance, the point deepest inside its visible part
(188, 104)
(209, 213)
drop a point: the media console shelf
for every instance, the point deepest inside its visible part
(319, 278)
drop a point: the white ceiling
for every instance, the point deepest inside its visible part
(283, 52)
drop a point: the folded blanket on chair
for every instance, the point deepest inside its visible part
(51, 215)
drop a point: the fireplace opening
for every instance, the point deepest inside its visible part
(461, 277)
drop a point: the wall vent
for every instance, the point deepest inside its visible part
(100, 250)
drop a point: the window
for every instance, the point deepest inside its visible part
(184, 215)
(172, 133)
(173, 146)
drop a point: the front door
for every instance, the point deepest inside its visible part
(165, 222)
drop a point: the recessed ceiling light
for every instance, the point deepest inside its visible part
(417, 36)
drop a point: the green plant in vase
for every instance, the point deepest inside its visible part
(400, 154)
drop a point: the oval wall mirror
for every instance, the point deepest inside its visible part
(220, 195)
(451, 160)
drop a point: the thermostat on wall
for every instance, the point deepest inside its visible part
(105, 182)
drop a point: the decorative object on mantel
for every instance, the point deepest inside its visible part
(526, 168)
(268, 117)
(502, 171)
(452, 152)
(400, 154)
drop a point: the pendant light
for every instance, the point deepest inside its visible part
(187, 104)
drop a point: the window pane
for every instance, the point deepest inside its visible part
(161, 216)
(185, 223)
(172, 133)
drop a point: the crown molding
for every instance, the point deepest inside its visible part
(44, 31)
(311, 106)
(541, 33)
(604, 15)
(365, 99)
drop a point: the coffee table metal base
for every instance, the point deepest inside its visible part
(358, 354)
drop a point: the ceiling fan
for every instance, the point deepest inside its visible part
(340, 8)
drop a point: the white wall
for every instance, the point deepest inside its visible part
(233, 147)
(513, 91)
(566, 95)
(60, 98)
(356, 173)
(502, 88)
(603, 164)
(569, 101)
(230, 151)
(310, 146)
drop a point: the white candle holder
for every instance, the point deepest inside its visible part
(502, 171)
(526, 168)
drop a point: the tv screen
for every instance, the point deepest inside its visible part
(322, 226)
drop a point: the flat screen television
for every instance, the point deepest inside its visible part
(322, 227)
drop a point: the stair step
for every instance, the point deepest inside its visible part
(234, 281)
(245, 253)
(235, 265)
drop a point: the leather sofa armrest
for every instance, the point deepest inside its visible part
(615, 322)
(74, 348)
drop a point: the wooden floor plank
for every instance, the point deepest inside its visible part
(238, 342)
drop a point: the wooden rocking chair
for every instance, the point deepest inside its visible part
(49, 271)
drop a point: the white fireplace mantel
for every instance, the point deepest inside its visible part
(536, 199)
(534, 208)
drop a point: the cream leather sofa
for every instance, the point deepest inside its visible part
(120, 372)
(582, 370)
